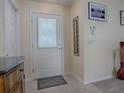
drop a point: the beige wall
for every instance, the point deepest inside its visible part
(77, 66)
(26, 5)
(67, 35)
(100, 47)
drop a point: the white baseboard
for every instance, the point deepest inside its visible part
(28, 79)
(100, 79)
(79, 79)
(76, 77)
(67, 73)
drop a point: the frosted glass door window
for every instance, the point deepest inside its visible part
(47, 33)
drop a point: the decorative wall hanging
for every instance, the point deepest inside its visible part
(97, 11)
(76, 35)
(122, 17)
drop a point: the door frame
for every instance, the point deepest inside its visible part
(31, 40)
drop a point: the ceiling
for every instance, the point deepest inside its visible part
(62, 2)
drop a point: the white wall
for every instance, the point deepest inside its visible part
(100, 47)
(1, 30)
(26, 5)
(77, 66)
(2, 26)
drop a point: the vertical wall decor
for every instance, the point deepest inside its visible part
(122, 17)
(76, 35)
(97, 11)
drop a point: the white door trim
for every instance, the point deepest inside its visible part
(31, 40)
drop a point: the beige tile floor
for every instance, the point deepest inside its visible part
(73, 86)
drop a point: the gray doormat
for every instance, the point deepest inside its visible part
(51, 82)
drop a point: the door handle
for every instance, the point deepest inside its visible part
(59, 46)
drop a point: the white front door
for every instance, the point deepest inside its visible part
(10, 30)
(47, 45)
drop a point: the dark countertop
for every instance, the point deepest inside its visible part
(8, 63)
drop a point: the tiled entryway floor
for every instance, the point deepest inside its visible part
(74, 86)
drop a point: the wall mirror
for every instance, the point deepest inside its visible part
(76, 35)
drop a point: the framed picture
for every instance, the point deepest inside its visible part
(76, 35)
(97, 11)
(122, 17)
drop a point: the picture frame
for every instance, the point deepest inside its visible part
(97, 11)
(76, 35)
(121, 17)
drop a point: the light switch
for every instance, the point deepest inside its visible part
(93, 30)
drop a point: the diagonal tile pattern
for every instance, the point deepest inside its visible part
(74, 86)
(110, 86)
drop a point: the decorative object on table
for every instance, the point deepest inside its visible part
(76, 35)
(122, 17)
(114, 71)
(116, 61)
(97, 11)
(120, 73)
